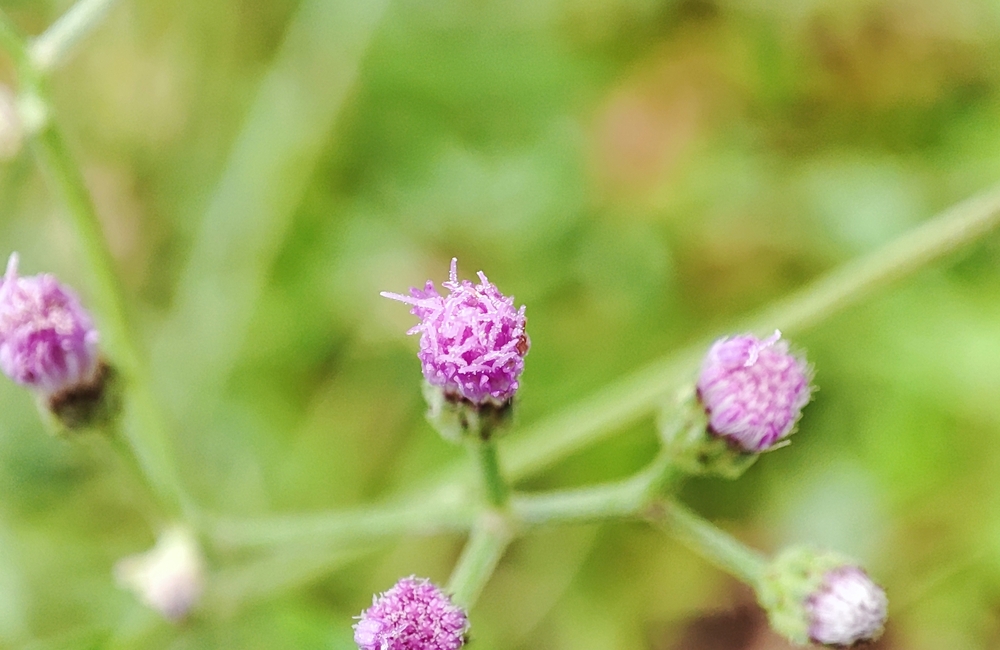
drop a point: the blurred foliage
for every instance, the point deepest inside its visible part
(637, 172)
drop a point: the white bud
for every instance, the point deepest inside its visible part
(847, 608)
(169, 577)
(821, 596)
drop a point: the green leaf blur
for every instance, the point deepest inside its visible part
(638, 173)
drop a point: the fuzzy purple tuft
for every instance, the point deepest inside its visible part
(413, 615)
(472, 341)
(47, 340)
(753, 391)
(847, 608)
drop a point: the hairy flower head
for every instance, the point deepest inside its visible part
(413, 615)
(823, 597)
(847, 608)
(47, 340)
(753, 391)
(472, 340)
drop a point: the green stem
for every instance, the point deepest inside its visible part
(627, 498)
(343, 528)
(486, 545)
(285, 569)
(273, 159)
(65, 176)
(13, 42)
(713, 544)
(626, 401)
(145, 428)
(495, 490)
(52, 48)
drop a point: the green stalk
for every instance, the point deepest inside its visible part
(144, 428)
(284, 570)
(631, 398)
(625, 401)
(54, 46)
(482, 553)
(495, 490)
(14, 43)
(343, 528)
(628, 498)
(713, 544)
(144, 424)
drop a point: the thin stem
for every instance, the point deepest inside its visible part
(52, 47)
(13, 42)
(274, 157)
(58, 164)
(713, 544)
(284, 570)
(344, 528)
(482, 553)
(626, 401)
(495, 489)
(628, 498)
(145, 428)
(145, 431)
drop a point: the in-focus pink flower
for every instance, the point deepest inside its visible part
(413, 615)
(753, 391)
(472, 340)
(47, 339)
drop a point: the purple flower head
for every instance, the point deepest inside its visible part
(847, 608)
(47, 340)
(753, 391)
(472, 341)
(413, 615)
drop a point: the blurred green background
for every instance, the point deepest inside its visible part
(639, 173)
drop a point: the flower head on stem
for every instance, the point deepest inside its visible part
(48, 343)
(472, 340)
(848, 607)
(822, 597)
(413, 615)
(47, 340)
(753, 390)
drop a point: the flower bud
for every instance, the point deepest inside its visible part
(847, 608)
(753, 391)
(413, 615)
(47, 340)
(822, 597)
(747, 398)
(48, 343)
(472, 347)
(167, 578)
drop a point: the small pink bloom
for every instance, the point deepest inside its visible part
(413, 615)
(753, 391)
(472, 341)
(47, 339)
(847, 608)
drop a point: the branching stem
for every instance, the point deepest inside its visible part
(482, 553)
(57, 43)
(708, 541)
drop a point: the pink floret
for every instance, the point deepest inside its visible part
(472, 341)
(753, 391)
(413, 615)
(47, 340)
